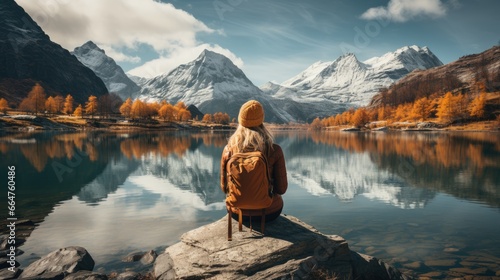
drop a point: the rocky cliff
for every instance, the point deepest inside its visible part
(27, 55)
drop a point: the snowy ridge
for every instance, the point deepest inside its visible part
(113, 76)
(347, 80)
(213, 84)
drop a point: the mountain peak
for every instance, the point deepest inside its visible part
(89, 46)
(32, 57)
(106, 68)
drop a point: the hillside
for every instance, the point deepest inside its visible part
(467, 75)
(28, 56)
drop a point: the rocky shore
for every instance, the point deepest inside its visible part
(289, 249)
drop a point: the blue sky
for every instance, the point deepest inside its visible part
(271, 40)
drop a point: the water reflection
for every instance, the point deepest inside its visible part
(403, 169)
(102, 189)
(464, 165)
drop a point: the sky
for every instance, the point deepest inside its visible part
(270, 40)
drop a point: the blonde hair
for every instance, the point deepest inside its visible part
(252, 139)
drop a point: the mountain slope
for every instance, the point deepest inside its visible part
(106, 68)
(349, 81)
(213, 84)
(461, 75)
(27, 56)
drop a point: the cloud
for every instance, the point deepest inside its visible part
(115, 22)
(166, 63)
(125, 25)
(405, 10)
(119, 56)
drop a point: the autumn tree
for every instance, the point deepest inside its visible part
(154, 107)
(477, 106)
(68, 104)
(91, 106)
(445, 110)
(360, 117)
(401, 112)
(4, 106)
(126, 108)
(184, 115)
(422, 109)
(59, 103)
(50, 105)
(166, 112)
(78, 111)
(181, 113)
(221, 118)
(109, 104)
(461, 106)
(316, 124)
(207, 118)
(35, 102)
(139, 109)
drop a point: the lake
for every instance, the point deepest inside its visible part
(421, 201)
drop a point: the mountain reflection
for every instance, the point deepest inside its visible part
(404, 169)
(464, 165)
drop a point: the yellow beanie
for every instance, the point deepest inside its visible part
(251, 114)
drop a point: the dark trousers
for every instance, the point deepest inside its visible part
(269, 217)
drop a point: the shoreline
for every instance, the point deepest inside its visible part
(32, 123)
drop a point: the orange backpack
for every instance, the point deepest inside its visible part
(248, 183)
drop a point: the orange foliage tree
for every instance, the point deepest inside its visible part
(4, 106)
(59, 103)
(68, 104)
(207, 118)
(166, 112)
(35, 102)
(139, 109)
(126, 108)
(477, 106)
(422, 109)
(446, 110)
(221, 118)
(78, 111)
(50, 105)
(317, 124)
(91, 106)
(360, 117)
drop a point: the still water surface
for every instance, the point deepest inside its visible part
(411, 199)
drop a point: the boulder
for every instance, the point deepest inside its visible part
(9, 274)
(63, 261)
(145, 258)
(290, 249)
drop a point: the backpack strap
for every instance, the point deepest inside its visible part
(227, 156)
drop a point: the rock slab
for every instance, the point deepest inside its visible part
(290, 249)
(62, 262)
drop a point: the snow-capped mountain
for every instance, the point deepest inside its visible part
(349, 81)
(140, 81)
(213, 84)
(106, 68)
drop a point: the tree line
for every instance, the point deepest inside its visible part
(447, 109)
(107, 106)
